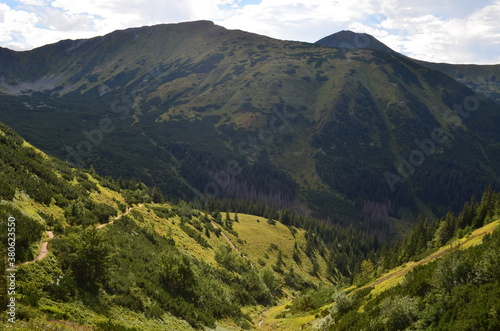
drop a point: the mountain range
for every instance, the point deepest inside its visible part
(357, 135)
(238, 182)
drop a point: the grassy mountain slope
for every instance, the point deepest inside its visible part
(394, 276)
(119, 260)
(458, 291)
(201, 111)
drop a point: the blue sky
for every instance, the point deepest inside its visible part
(453, 31)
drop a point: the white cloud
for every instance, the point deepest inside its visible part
(298, 20)
(469, 38)
(447, 30)
(14, 26)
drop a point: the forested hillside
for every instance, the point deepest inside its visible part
(459, 291)
(121, 256)
(120, 250)
(444, 276)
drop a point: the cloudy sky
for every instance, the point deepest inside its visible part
(454, 31)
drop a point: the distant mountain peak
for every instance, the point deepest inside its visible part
(353, 40)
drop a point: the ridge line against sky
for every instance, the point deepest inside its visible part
(452, 31)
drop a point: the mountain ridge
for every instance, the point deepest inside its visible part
(353, 40)
(307, 125)
(481, 78)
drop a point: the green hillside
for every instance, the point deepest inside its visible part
(121, 258)
(459, 291)
(450, 284)
(204, 113)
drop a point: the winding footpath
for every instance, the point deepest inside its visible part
(129, 209)
(44, 247)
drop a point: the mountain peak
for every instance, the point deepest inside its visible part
(353, 40)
